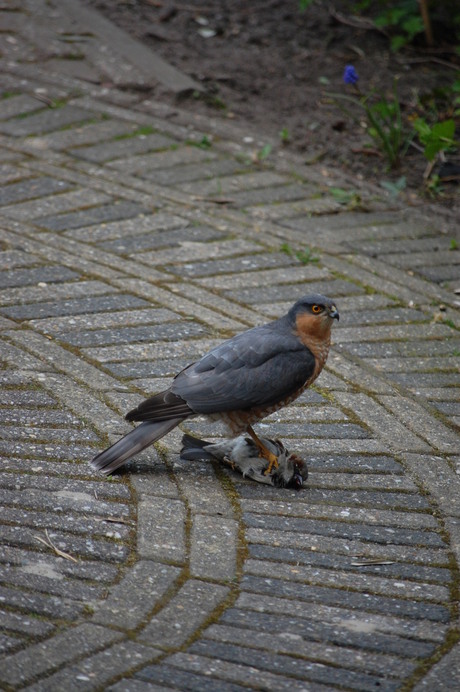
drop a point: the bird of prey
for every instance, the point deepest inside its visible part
(239, 382)
(242, 454)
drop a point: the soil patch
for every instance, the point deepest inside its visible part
(272, 66)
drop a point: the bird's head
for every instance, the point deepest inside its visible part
(313, 314)
(312, 317)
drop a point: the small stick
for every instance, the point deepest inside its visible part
(51, 545)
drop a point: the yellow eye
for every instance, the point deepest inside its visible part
(316, 309)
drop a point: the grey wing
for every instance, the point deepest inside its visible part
(259, 367)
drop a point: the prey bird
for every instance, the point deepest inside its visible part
(239, 382)
(242, 455)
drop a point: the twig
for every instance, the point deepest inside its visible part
(438, 61)
(50, 544)
(426, 21)
(368, 563)
(355, 22)
(114, 520)
(215, 200)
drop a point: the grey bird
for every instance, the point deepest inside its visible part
(239, 382)
(242, 454)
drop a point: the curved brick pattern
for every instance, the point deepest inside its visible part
(127, 250)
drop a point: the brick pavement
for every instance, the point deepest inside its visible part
(133, 236)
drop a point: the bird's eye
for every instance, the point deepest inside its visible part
(316, 309)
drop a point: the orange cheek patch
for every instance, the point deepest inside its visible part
(310, 328)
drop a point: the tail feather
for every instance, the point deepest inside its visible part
(134, 442)
(193, 449)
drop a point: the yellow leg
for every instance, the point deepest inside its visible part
(264, 452)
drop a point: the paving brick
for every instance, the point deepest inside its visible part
(198, 600)
(291, 666)
(345, 546)
(45, 121)
(57, 291)
(444, 674)
(111, 526)
(145, 163)
(403, 350)
(382, 643)
(247, 675)
(275, 280)
(343, 616)
(180, 679)
(396, 435)
(351, 531)
(128, 335)
(415, 260)
(176, 177)
(11, 259)
(409, 332)
(340, 579)
(76, 306)
(420, 381)
(369, 515)
(135, 596)
(294, 644)
(53, 204)
(105, 666)
(409, 246)
(395, 571)
(191, 251)
(42, 579)
(18, 105)
(256, 295)
(440, 274)
(40, 604)
(27, 277)
(416, 418)
(251, 263)
(205, 496)
(81, 135)
(161, 533)
(108, 320)
(152, 241)
(144, 224)
(115, 149)
(436, 475)
(87, 217)
(32, 188)
(213, 536)
(43, 657)
(23, 624)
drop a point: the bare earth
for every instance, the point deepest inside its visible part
(275, 67)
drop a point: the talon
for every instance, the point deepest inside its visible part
(264, 452)
(230, 463)
(272, 462)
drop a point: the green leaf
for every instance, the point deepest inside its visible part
(444, 130)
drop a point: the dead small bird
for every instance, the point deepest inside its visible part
(242, 454)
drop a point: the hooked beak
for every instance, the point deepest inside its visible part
(334, 313)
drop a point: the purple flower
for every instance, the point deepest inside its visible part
(350, 76)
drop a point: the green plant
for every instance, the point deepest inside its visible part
(406, 17)
(305, 256)
(453, 244)
(383, 116)
(303, 4)
(263, 153)
(433, 186)
(435, 138)
(284, 135)
(348, 197)
(395, 187)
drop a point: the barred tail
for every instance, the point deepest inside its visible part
(134, 442)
